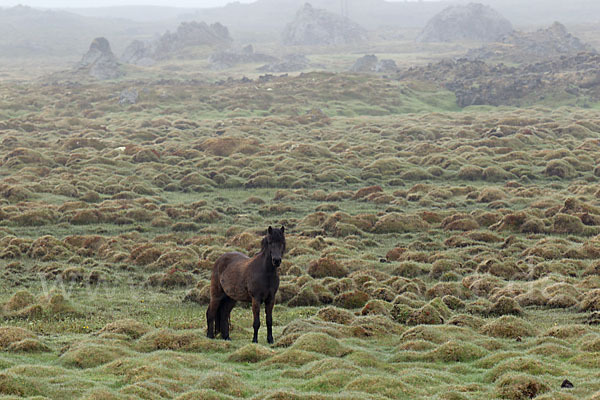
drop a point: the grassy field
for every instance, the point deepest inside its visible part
(433, 252)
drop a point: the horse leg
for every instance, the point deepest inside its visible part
(211, 314)
(269, 314)
(256, 312)
(225, 310)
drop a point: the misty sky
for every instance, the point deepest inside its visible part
(104, 3)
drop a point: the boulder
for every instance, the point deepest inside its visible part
(100, 62)
(473, 21)
(317, 27)
(370, 63)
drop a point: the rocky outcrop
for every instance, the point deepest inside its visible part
(191, 34)
(475, 82)
(370, 63)
(316, 27)
(526, 47)
(100, 62)
(188, 34)
(289, 63)
(228, 59)
(139, 53)
(473, 21)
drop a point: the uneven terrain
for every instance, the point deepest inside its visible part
(433, 251)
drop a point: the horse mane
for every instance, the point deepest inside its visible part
(264, 244)
(277, 236)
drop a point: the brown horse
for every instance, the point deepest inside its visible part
(236, 277)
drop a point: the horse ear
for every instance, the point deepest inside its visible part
(270, 230)
(282, 228)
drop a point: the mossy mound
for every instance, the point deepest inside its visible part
(101, 394)
(292, 357)
(57, 306)
(560, 169)
(457, 351)
(388, 387)
(202, 295)
(400, 223)
(92, 354)
(466, 320)
(225, 383)
(29, 345)
(528, 365)
(331, 380)
(591, 301)
(567, 331)
(520, 387)
(326, 267)
(171, 279)
(320, 343)
(204, 394)
(251, 353)
(508, 326)
(306, 297)
(426, 315)
(322, 366)
(11, 334)
(166, 339)
(19, 301)
(567, 224)
(336, 315)
(375, 325)
(350, 300)
(505, 306)
(130, 327)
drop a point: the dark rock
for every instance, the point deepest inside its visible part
(370, 63)
(473, 21)
(566, 384)
(316, 27)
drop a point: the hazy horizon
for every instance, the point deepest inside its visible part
(113, 3)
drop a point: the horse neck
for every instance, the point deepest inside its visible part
(264, 259)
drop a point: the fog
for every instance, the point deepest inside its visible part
(112, 3)
(96, 3)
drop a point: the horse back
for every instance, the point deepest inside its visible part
(230, 275)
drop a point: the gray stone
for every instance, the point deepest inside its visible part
(128, 96)
(100, 62)
(316, 27)
(473, 21)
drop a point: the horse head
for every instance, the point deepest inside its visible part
(275, 244)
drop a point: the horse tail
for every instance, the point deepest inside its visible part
(213, 314)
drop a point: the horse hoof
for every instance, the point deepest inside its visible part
(254, 340)
(270, 340)
(227, 338)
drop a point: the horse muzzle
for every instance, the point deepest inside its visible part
(276, 262)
